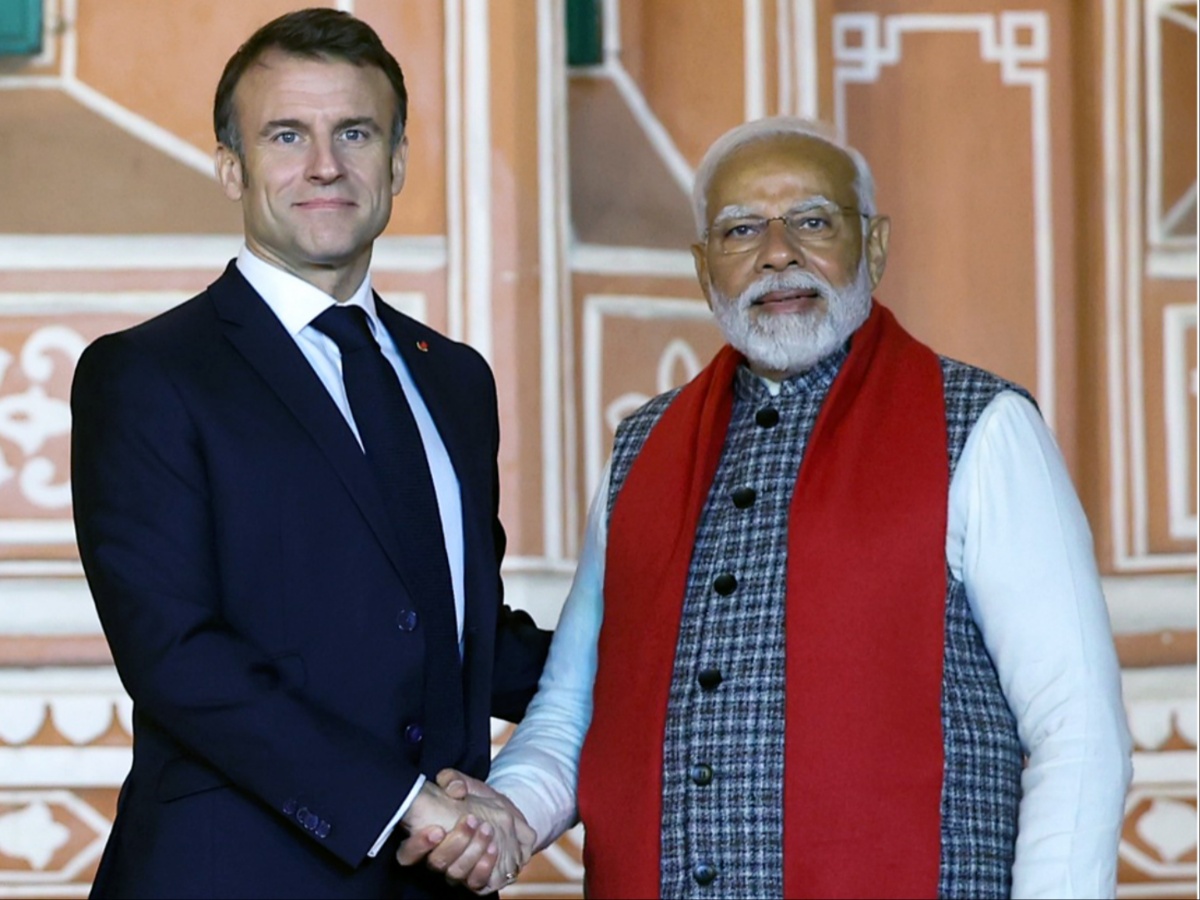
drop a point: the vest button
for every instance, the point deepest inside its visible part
(767, 417)
(725, 584)
(710, 679)
(406, 620)
(744, 497)
(414, 734)
(701, 774)
(705, 873)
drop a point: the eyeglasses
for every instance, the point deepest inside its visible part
(809, 225)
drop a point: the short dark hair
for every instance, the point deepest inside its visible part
(317, 33)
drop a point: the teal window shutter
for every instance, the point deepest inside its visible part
(20, 27)
(585, 44)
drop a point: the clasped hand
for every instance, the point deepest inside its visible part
(467, 831)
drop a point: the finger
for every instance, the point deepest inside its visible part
(453, 844)
(480, 876)
(453, 782)
(416, 847)
(482, 849)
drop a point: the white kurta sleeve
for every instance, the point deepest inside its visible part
(1019, 541)
(538, 769)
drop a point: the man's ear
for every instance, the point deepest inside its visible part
(399, 165)
(700, 257)
(228, 166)
(877, 248)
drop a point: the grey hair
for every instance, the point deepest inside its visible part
(763, 129)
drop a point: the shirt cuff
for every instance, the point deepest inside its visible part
(391, 826)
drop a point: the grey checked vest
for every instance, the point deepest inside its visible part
(722, 819)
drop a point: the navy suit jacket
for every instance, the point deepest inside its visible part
(287, 692)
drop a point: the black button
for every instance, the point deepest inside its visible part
(323, 829)
(302, 814)
(406, 619)
(701, 774)
(705, 873)
(767, 417)
(725, 584)
(414, 734)
(289, 807)
(744, 497)
(710, 679)
(311, 821)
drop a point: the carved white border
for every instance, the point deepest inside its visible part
(559, 505)
(1169, 257)
(61, 530)
(612, 69)
(596, 309)
(1181, 391)
(1123, 293)
(164, 252)
(1000, 41)
(17, 883)
(754, 89)
(797, 63)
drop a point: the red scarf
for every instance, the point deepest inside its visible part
(866, 585)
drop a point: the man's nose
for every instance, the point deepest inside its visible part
(324, 164)
(779, 249)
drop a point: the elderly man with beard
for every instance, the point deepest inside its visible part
(837, 625)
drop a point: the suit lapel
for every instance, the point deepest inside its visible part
(430, 372)
(264, 343)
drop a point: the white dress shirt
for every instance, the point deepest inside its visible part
(296, 303)
(1018, 539)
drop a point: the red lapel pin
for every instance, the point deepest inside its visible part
(422, 346)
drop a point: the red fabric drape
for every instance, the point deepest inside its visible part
(865, 618)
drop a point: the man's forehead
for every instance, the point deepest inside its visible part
(802, 160)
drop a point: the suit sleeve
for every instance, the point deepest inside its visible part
(145, 524)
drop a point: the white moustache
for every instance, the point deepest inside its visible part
(782, 281)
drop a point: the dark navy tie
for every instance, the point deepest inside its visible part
(394, 451)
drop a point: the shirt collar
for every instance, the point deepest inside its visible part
(294, 301)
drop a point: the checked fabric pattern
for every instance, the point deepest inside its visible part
(735, 822)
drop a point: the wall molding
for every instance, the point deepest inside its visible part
(879, 43)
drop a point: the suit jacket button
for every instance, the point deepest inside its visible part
(302, 815)
(406, 620)
(414, 734)
(289, 807)
(323, 829)
(311, 821)
(705, 873)
(701, 774)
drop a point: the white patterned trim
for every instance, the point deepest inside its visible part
(1021, 64)
(1123, 275)
(596, 309)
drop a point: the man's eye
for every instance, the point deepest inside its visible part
(743, 229)
(354, 134)
(811, 222)
(286, 137)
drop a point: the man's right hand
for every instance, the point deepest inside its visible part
(467, 853)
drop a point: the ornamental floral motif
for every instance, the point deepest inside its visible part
(30, 419)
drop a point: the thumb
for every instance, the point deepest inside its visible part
(453, 782)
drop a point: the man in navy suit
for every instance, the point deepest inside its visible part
(307, 615)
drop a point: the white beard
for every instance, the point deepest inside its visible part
(793, 342)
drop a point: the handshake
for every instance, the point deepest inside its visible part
(469, 832)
